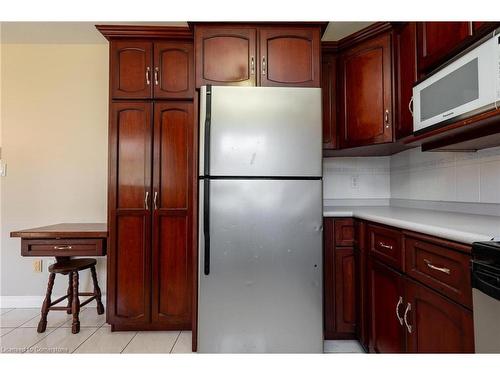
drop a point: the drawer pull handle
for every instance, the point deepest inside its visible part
(433, 267)
(408, 326)
(65, 247)
(400, 301)
(381, 244)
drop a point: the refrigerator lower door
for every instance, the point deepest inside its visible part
(264, 290)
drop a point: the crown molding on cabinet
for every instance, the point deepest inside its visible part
(158, 32)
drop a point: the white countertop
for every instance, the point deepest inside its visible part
(464, 228)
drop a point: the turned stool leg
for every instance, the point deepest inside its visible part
(75, 306)
(42, 325)
(97, 292)
(70, 292)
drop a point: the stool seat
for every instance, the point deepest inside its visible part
(72, 265)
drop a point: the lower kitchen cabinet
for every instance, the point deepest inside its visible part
(339, 279)
(345, 291)
(436, 324)
(386, 308)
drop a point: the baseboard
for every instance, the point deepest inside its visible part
(20, 302)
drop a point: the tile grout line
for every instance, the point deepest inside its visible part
(8, 310)
(125, 347)
(84, 341)
(175, 342)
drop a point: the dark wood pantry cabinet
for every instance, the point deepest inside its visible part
(258, 54)
(151, 186)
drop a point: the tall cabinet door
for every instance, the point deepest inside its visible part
(436, 324)
(173, 214)
(225, 56)
(366, 93)
(131, 70)
(290, 57)
(129, 213)
(386, 309)
(173, 75)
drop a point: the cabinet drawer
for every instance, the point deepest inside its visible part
(344, 232)
(440, 268)
(63, 247)
(385, 244)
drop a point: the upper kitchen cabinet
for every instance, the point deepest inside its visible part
(131, 69)
(147, 70)
(257, 55)
(173, 75)
(329, 94)
(290, 56)
(366, 85)
(225, 56)
(405, 42)
(436, 40)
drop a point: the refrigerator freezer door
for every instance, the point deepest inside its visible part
(264, 289)
(263, 131)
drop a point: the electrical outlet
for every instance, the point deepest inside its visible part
(354, 182)
(3, 168)
(37, 265)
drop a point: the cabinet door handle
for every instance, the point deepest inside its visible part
(408, 309)
(386, 118)
(146, 199)
(400, 301)
(157, 73)
(252, 65)
(155, 197)
(65, 247)
(381, 244)
(410, 105)
(433, 267)
(263, 65)
(148, 76)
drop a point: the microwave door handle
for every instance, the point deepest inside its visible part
(410, 105)
(206, 181)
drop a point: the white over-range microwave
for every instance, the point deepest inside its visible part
(467, 86)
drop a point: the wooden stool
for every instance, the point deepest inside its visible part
(67, 266)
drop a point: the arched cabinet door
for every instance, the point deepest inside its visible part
(129, 214)
(225, 56)
(172, 214)
(290, 57)
(131, 70)
(173, 75)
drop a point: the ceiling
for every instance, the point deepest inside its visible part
(86, 33)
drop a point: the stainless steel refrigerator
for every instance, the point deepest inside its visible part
(260, 215)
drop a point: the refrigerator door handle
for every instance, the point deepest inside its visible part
(208, 120)
(206, 181)
(206, 224)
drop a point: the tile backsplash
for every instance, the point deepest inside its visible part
(416, 175)
(356, 178)
(446, 176)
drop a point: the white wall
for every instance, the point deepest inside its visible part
(54, 141)
(446, 176)
(372, 174)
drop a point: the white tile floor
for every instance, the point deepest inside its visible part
(18, 335)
